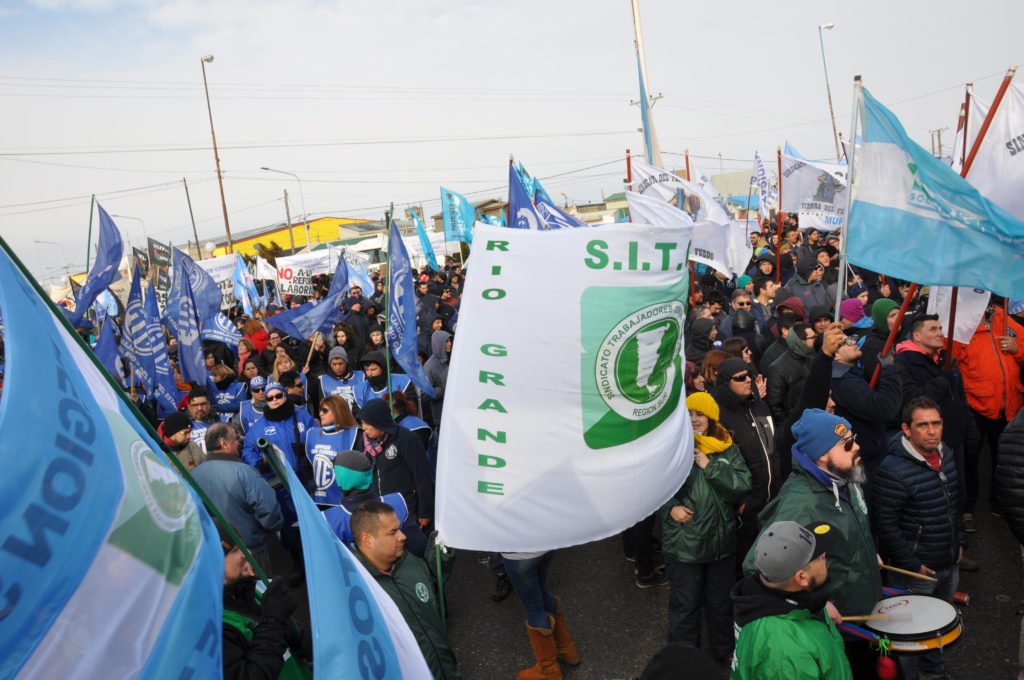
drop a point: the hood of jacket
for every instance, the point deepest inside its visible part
(437, 342)
(377, 413)
(752, 600)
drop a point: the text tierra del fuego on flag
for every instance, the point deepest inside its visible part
(541, 432)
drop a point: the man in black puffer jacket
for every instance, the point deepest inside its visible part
(1010, 475)
(786, 375)
(750, 422)
(916, 513)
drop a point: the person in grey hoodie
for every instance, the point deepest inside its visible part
(436, 368)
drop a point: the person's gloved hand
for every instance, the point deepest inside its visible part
(276, 602)
(888, 360)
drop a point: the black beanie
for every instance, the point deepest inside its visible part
(728, 368)
(176, 422)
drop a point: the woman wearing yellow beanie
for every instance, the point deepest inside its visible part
(699, 533)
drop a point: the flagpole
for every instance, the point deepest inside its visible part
(88, 239)
(689, 176)
(778, 213)
(188, 198)
(650, 137)
(750, 192)
(629, 171)
(389, 216)
(844, 236)
(988, 121)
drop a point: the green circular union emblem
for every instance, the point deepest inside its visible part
(634, 369)
(422, 592)
(166, 497)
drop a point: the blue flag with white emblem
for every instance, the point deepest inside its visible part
(458, 216)
(357, 629)
(135, 347)
(183, 318)
(165, 390)
(555, 217)
(109, 250)
(522, 214)
(111, 567)
(401, 330)
(904, 195)
(206, 295)
(428, 250)
(219, 327)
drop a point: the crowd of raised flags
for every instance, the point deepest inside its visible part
(951, 231)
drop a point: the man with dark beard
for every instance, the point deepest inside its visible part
(784, 628)
(825, 485)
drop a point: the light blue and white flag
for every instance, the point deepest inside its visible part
(111, 568)
(109, 250)
(358, 276)
(401, 327)
(245, 287)
(182, 315)
(768, 194)
(493, 220)
(521, 211)
(916, 219)
(136, 347)
(458, 215)
(356, 626)
(165, 390)
(428, 250)
(219, 327)
(206, 293)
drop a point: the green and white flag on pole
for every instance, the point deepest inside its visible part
(565, 422)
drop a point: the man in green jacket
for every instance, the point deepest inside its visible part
(406, 579)
(825, 485)
(782, 629)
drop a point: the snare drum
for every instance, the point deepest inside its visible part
(920, 623)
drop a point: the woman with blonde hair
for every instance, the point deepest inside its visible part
(283, 364)
(699, 533)
(337, 433)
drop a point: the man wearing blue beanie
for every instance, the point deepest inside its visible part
(825, 486)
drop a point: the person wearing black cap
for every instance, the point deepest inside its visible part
(176, 431)
(785, 631)
(749, 420)
(259, 639)
(400, 463)
(376, 378)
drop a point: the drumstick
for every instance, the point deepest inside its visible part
(909, 573)
(879, 617)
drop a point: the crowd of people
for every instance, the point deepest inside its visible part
(823, 450)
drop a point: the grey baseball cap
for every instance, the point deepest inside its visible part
(785, 548)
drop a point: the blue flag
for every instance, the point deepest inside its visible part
(101, 535)
(105, 348)
(458, 215)
(183, 317)
(136, 347)
(165, 390)
(521, 212)
(367, 627)
(303, 321)
(494, 220)
(555, 217)
(904, 195)
(401, 328)
(206, 295)
(359, 277)
(428, 250)
(104, 271)
(219, 327)
(245, 287)
(339, 282)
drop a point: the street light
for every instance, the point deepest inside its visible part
(63, 256)
(129, 217)
(216, 157)
(828, 89)
(302, 197)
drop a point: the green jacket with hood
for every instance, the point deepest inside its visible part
(812, 495)
(712, 494)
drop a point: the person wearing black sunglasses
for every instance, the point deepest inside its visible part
(825, 486)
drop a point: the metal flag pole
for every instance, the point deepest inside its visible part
(88, 238)
(389, 216)
(778, 211)
(650, 137)
(844, 235)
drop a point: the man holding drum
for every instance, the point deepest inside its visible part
(783, 630)
(917, 517)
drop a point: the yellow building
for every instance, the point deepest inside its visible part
(321, 230)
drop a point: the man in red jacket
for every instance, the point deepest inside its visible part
(990, 364)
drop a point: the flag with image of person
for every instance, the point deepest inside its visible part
(111, 566)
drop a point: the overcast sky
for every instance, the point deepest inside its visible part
(373, 102)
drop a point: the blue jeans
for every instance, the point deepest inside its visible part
(529, 579)
(944, 588)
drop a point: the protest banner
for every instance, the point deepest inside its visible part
(815, 191)
(542, 432)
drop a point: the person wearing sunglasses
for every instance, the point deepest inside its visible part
(749, 420)
(869, 410)
(251, 410)
(825, 486)
(337, 433)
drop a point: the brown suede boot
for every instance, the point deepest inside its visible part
(564, 642)
(543, 643)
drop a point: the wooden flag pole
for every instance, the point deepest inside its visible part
(778, 211)
(629, 170)
(312, 344)
(689, 175)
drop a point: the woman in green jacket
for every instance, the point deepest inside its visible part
(699, 533)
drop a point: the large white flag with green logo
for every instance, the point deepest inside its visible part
(564, 416)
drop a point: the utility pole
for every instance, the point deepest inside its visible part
(288, 214)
